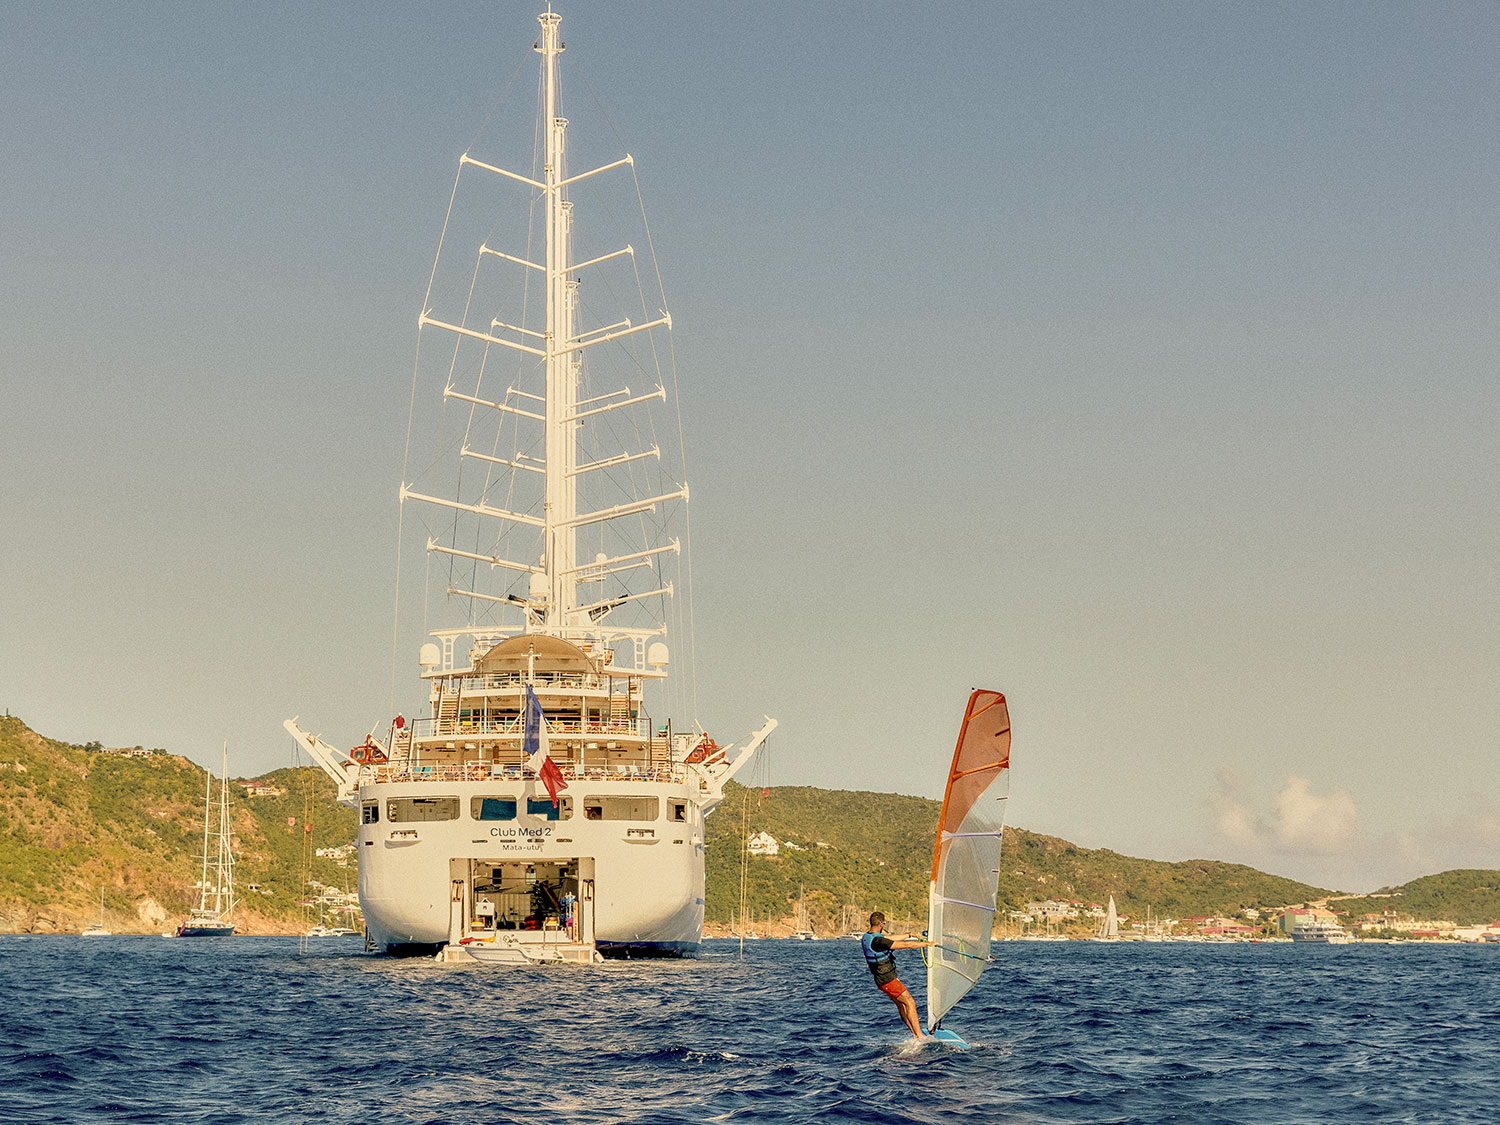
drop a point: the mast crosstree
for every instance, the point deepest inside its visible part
(552, 603)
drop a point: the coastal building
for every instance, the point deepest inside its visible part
(1297, 916)
(763, 843)
(1406, 924)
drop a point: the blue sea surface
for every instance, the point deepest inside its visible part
(217, 1031)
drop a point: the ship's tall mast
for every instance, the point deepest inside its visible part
(559, 531)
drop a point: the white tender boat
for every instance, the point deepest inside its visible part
(542, 806)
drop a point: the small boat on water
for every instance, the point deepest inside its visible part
(1109, 927)
(98, 930)
(804, 930)
(214, 914)
(1320, 932)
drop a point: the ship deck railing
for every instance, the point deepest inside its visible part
(490, 771)
(512, 725)
(542, 681)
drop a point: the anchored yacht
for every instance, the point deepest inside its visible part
(541, 806)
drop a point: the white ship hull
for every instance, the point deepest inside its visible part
(647, 876)
(1320, 935)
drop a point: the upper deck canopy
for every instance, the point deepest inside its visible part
(553, 654)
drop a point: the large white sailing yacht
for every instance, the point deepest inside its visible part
(214, 914)
(552, 527)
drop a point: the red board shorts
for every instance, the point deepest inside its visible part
(894, 989)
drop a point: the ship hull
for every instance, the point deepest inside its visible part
(639, 881)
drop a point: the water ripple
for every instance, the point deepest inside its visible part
(221, 1032)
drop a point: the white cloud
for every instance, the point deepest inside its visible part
(1232, 816)
(1306, 822)
(1300, 821)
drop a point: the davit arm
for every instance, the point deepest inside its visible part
(335, 763)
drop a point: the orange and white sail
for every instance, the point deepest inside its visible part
(966, 860)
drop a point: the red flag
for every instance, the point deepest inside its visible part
(552, 778)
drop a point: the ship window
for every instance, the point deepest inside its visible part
(544, 808)
(369, 812)
(493, 808)
(408, 810)
(622, 808)
(679, 810)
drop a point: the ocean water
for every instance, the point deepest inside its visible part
(130, 1029)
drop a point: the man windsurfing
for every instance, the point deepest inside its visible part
(877, 948)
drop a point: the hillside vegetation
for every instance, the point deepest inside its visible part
(77, 822)
(878, 855)
(1465, 896)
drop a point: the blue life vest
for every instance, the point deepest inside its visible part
(879, 962)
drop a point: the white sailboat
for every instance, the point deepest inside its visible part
(98, 930)
(214, 914)
(543, 775)
(804, 930)
(1109, 925)
(966, 859)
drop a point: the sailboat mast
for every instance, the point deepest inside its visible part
(208, 799)
(223, 885)
(559, 531)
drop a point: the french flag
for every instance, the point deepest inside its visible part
(534, 746)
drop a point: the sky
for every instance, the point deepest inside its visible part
(1136, 360)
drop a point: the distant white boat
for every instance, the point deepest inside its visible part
(1320, 932)
(321, 930)
(1109, 928)
(804, 931)
(214, 914)
(99, 930)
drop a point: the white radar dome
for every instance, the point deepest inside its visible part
(428, 655)
(657, 656)
(540, 587)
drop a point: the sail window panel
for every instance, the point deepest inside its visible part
(417, 810)
(369, 812)
(493, 808)
(543, 808)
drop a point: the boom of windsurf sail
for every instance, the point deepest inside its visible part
(966, 860)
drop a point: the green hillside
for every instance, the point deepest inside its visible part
(878, 854)
(78, 821)
(1466, 897)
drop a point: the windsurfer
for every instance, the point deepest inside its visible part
(877, 949)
